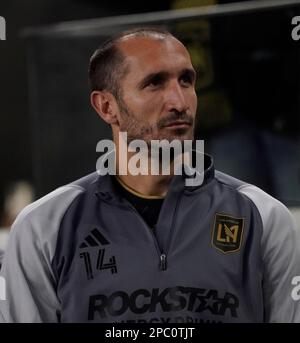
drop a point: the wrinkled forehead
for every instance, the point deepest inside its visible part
(154, 51)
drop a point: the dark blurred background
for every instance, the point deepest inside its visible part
(248, 87)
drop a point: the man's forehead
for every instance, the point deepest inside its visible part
(152, 50)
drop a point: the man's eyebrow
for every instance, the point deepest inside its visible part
(151, 77)
(190, 73)
(162, 75)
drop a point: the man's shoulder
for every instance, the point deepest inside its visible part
(243, 187)
(37, 226)
(86, 181)
(267, 205)
(56, 201)
(229, 180)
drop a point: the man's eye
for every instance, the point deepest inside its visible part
(186, 81)
(155, 82)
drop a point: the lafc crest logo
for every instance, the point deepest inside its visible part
(227, 233)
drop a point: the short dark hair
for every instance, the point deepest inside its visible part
(107, 64)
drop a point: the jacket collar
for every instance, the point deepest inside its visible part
(106, 189)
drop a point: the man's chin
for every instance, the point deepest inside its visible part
(180, 135)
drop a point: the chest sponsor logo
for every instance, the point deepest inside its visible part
(96, 240)
(227, 233)
(167, 300)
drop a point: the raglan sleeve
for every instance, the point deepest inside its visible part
(28, 284)
(280, 246)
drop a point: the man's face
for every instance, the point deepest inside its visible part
(158, 99)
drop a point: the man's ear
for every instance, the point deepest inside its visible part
(105, 105)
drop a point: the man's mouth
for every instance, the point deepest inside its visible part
(178, 124)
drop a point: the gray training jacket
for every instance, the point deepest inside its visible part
(221, 252)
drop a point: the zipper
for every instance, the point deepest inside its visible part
(173, 223)
(162, 256)
(163, 262)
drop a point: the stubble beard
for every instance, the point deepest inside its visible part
(135, 129)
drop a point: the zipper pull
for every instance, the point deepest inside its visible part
(163, 262)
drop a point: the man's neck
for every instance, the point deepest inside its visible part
(147, 185)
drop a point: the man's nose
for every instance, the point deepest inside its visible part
(175, 98)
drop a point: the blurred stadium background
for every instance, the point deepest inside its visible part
(248, 90)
